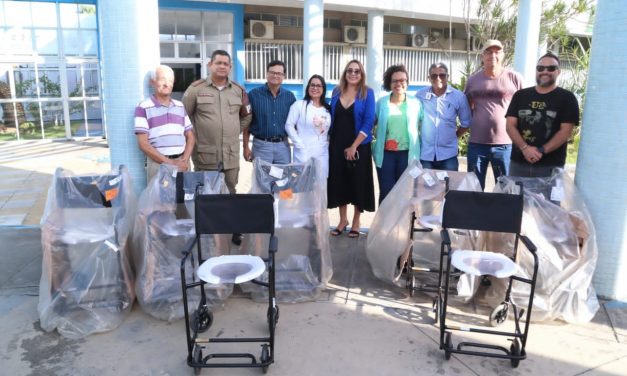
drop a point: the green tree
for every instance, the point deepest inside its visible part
(496, 19)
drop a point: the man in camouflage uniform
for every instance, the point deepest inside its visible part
(219, 111)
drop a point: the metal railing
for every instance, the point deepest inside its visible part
(417, 61)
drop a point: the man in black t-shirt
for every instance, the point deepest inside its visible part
(540, 121)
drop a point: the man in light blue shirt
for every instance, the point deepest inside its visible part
(443, 105)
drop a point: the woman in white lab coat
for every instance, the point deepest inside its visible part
(308, 126)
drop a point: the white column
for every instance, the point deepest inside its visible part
(313, 32)
(601, 173)
(129, 50)
(374, 66)
(527, 37)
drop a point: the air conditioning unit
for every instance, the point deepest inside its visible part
(354, 34)
(420, 40)
(261, 29)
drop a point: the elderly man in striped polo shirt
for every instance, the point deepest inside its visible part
(270, 105)
(164, 131)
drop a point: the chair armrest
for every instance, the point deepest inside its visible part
(528, 243)
(446, 239)
(188, 248)
(274, 244)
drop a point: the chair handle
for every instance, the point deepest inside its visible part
(446, 239)
(528, 243)
(274, 244)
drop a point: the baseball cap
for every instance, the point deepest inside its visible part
(492, 43)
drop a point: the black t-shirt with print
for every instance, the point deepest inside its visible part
(539, 118)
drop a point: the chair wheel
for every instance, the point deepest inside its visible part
(202, 319)
(265, 357)
(515, 349)
(448, 344)
(499, 314)
(197, 358)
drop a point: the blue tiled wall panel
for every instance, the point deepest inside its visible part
(601, 174)
(129, 50)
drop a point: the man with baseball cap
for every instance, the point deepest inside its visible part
(489, 93)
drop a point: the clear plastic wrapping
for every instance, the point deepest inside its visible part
(418, 191)
(86, 282)
(557, 221)
(163, 227)
(303, 260)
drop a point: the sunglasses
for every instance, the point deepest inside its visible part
(441, 75)
(550, 68)
(353, 71)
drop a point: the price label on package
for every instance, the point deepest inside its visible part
(428, 179)
(276, 172)
(115, 181)
(441, 175)
(188, 196)
(557, 194)
(415, 172)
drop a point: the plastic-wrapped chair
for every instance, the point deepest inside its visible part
(495, 212)
(164, 225)
(228, 214)
(404, 235)
(556, 217)
(304, 266)
(86, 282)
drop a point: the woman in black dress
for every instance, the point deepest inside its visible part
(350, 162)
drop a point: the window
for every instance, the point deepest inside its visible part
(333, 23)
(49, 41)
(363, 23)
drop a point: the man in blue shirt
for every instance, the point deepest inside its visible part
(443, 105)
(270, 107)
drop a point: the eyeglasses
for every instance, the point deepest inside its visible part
(278, 74)
(353, 71)
(435, 76)
(401, 81)
(315, 86)
(550, 68)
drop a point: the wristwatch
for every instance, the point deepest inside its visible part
(541, 149)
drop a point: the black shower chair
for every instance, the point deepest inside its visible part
(228, 214)
(481, 211)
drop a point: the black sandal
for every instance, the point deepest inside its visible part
(336, 231)
(353, 234)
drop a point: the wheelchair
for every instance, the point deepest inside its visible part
(227, 214)
(86, 282)
(304, 266)
(164, 225)
(428, 191)
(495, 212)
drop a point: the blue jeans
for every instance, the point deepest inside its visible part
(393, 165)
(272, 152)
(451, 164)
(480, 155)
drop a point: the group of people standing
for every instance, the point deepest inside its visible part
(346, 135)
